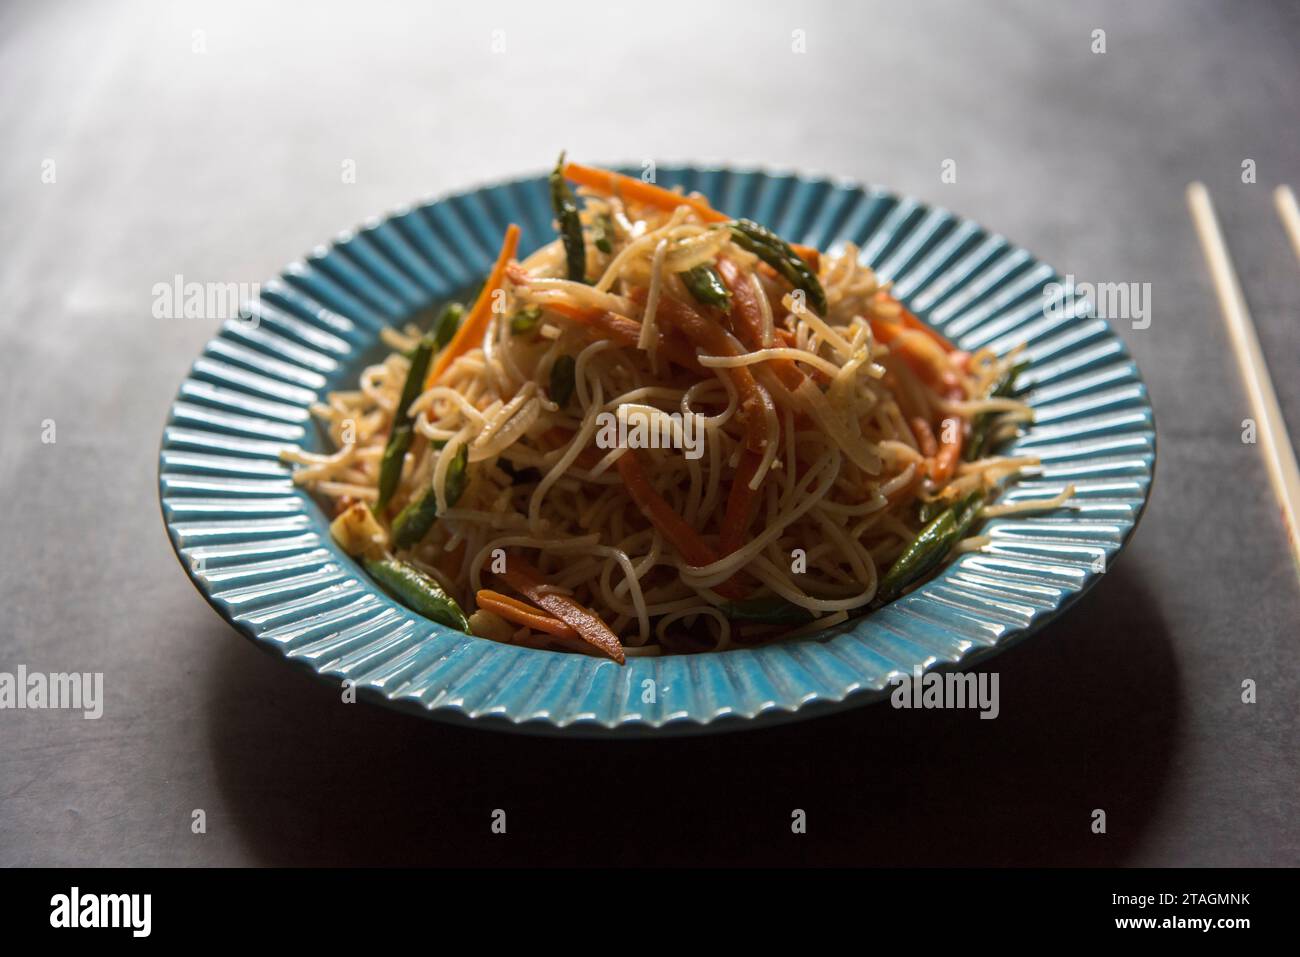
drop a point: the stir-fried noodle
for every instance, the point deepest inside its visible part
(666, 431)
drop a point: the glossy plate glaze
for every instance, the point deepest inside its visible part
(259, 549)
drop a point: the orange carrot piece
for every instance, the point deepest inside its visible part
(945, 462)
(787, 339)
(747, 318)
(608, 183)
(514, 610)
(471, 330)
(528, 581)
(685, 539)
(517, 274)
(912, 322)
(584, 315)
(626, 332)
(706, 334)
(925, 436)
(884, 330)
(951, 436)
(922, 356)
(740, 504)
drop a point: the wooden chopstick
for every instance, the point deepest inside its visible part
(1284, 199)
(1279, 456)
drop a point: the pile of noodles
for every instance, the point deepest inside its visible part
(837, 493)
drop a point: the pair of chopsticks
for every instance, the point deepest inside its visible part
(1274, 443)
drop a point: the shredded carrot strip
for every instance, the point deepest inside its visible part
(626, 332)
(789, 340)
(512, 609)
(935, 369)
(747, 318)
(925, 436)
(471, 330)
(951, 436)
(685, 539)
(528, 581)
(584, 315)
(708, 335)
(949, 452)
(620, 328)
(912, 322)
(884, 330)
(609, 183)
(920, 352)
(740, 504)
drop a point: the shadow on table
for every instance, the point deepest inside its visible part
(1089, 712)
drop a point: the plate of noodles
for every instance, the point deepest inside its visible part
(654, 451)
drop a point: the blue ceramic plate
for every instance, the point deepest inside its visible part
(259, 549)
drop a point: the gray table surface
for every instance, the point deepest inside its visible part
(223, 164)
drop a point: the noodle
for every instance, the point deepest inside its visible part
(793, 451)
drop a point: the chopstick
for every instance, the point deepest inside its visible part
(1274, 442)
(1284, 199)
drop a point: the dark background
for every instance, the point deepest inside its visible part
(222, 165)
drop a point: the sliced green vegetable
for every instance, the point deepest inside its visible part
(525, 321)
(930, 547)
(927, 512)
(704, 283)
(603, 230)
(414, 521)
(417, 591)
(399, 439)
(925, 552)
(565, 208)
(562, 380)
(414, 383)
(390, 466)
(447, 323)
(982, 424)
(773, 610)
(966, 512)
(776, 252)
